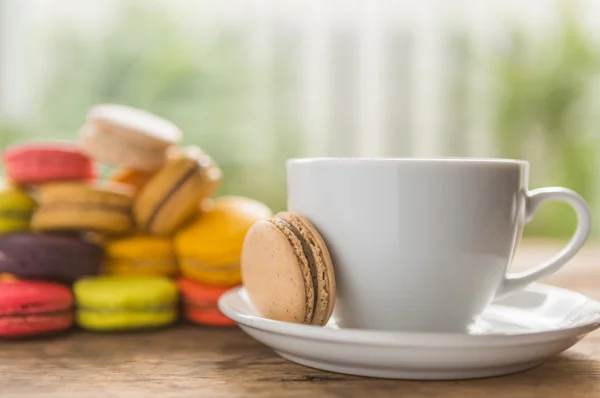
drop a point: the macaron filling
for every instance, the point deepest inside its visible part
(141, 262)
(189, 174)
(159, 308)
(15, 214)
(87, 206)
(46, 160)
(58, 313)
(198, 305)
(307, 253)
(209, 268)
(125, 143)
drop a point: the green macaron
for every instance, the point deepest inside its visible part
(125, 302)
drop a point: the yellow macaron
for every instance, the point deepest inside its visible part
(210, 247)
(140, 255)
(16, 208)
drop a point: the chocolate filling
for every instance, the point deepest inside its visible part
(170, 193)
(309, 256)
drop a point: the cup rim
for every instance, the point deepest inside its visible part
(474, 161)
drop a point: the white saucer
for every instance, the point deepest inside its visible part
(514, 334)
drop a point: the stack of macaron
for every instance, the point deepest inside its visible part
(39, 264)
(129, 251)
(209, 250)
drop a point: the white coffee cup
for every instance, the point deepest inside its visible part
(423, 244)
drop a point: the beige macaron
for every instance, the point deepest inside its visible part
(81, 206)
(174, 194)
(287, 270)
(124, 136)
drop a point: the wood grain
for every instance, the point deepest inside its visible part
(191, 361)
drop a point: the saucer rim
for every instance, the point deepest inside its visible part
(409, 339)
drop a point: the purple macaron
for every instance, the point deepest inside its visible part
(62, 258)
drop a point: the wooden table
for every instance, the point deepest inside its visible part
(188, 361)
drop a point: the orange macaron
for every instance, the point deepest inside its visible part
(136, 179)
(200, 303)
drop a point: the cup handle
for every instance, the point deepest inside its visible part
(535, 198)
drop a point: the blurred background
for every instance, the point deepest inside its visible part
(257, 82)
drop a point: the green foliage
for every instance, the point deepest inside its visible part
(541, 95)
(145, 60)
(203, 84)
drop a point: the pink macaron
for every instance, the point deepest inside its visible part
(30, 308)
(38, 163)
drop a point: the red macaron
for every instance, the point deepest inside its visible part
(33, 163)
(200, 303)
(30, 308)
